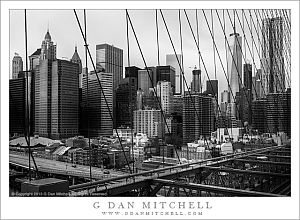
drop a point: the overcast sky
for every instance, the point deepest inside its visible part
(109, 26)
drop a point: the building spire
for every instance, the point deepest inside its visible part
(234, 31)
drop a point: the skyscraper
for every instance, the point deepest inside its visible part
(56, 92)
(144, 81)
(95, 110)
(258, 92)
(234, 63)
(109, 59)
(198, 117)
(248, 76)
(139, 99)
(259, 115)
(64, 99)
(272, 54)
(76, 59)
(165, 93)
(212, 87)
(149, 122)
(17, 105)
(166, 73)
(279, 112)
(17, 66)
(245, 96)
(224, 101)
(48, 49)
(196, 81)
(34, 59)
(126, 97)
(132, 71)
(171, 60)
(150, 101)
(42, 66)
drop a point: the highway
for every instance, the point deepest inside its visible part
(58, 167)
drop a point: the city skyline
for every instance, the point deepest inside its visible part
(225, 157)
(66, 41)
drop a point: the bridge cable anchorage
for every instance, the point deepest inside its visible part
(182, 73)
(99, 82)
(155, 92)
(282, 88)
(204, 66)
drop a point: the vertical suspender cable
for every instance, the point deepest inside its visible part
(88, 120)
(155, 92)
(198, 39)
(101, 89)
(205, 69)
(157, 36)
(226, 66)
(180, 34)
(213, 38)
(244, 40)
(27, 112)
(130, 92)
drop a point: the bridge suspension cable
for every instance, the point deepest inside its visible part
(101, 89)
(155, 92)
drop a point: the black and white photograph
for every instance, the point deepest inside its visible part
(103, 103)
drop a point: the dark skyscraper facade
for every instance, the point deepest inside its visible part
(166, 73)
(200, 121)
(279, 112)
(132, 71)
(196, 81)
(109, 59)
(17, 105)
(95, 110)
(272, 54)
(212, 87)
(126, 101)
(259, 115)
(64, 99)
(248, 76)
